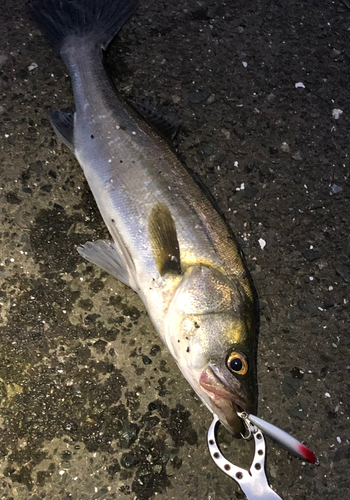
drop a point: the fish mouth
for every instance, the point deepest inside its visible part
(224, 401)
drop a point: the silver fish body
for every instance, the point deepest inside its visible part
(169, 243)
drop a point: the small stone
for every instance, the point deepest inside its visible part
(299, 85)
(47, 188)
(32, 66)
(262, 243)
(146, 360)
(297, 156)
(343, 271)
(129, 460)
(250, 192)
(311, 255)
(155, 349)
(335, 53)
(290, 386)
(301, 304)
(199, 96)
(336, 113)
(128, 435)
(285, 147)
(327, 304)
(274, 81)
(334, 189)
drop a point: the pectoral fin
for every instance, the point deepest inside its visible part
(164, 242)
(63, 125)
(105, 254)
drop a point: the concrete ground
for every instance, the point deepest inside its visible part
(91, 404)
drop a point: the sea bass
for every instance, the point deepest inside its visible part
(168, 243)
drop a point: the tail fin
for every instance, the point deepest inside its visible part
(100, 20)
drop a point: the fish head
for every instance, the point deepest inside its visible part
(214, 343)
(229, 387)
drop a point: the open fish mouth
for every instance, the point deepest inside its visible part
(224, 402)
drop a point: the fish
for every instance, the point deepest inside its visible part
(168, 242)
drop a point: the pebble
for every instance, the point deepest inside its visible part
(297, 156)
(250, 192)
(327, 304)
(299, 85)
(334, 189)
(335, 53)
(274, 82)
(128, 437)
(32, 66)
(343, 271)
(336, 113)
(311, 255)
(285, 147)
(128, 460)
(146, 360)
(47, 188)
(290, 386)
(262, 243)
(199, 96)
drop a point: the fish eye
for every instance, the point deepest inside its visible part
(237, 363)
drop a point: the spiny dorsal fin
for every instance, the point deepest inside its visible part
(164, 120)
(164, 242)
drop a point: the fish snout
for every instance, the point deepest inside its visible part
(226, 399)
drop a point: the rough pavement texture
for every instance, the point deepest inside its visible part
(92, 406)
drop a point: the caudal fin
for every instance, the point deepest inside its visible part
(99, 20)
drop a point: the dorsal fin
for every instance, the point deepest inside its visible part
(164, 120)
(164, 242)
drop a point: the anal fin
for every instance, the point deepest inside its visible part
(105, 254)
(63, 125)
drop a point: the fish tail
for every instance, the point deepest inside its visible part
(96, 20)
